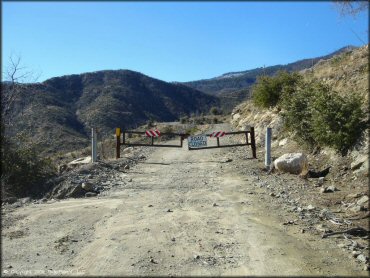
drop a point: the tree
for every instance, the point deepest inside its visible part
(15, 76)
(353, 8)
(23, 171)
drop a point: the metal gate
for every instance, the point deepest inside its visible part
(152, 134)
(249, 141)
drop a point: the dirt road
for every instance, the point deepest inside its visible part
(183, 213)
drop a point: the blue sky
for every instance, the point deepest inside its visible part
(172, 41)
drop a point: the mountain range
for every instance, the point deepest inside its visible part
(59, 112)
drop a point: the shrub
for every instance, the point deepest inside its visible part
(268, 90)
(215, 111)
(320, 117)
(337, 122)
(23, 172)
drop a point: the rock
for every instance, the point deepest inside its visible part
(283, 142)
(236, 116)
(362, 258)
(196, 257)
(320, 181)
(142, 156)
(150, 206)
(357, 163)
(355, 253)
(363, 200)
(77, 191)
(82, 160)
(357, 208)
(126, 167)
(90, 194)
(152, 261)
(353, 195)
(169, 210)
(25, 200)
(87, 186)
(294, 163)
(173, 239)
(310, 207)
(328, 189)
(130, 180)
(215, 205)
(128, 150)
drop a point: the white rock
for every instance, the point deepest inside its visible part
(358, 162)
(283, 142)
(363, 200)
(82, 160)
(310, 207)
(236, 116)
(128, 150)
(320, 181)
(294, 163)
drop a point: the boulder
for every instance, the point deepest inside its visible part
(294, 163)
(357, 163)
(364, 200)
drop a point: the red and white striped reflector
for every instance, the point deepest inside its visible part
(217, 134)
(152, 133)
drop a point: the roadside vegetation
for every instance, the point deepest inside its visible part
(24, 173)
(316, 114)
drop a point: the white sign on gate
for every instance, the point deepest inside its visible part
(197, 141)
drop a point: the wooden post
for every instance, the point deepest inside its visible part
(268, 147)
(218, 141)
(253, 142)
(118, 143)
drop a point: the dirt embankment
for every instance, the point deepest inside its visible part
(181, 213)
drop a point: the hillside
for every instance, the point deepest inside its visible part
(58, 113)
(345, 73)
(233, 81)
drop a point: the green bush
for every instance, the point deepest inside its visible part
(337, 122)
(23, 172)
(215, 111)
(320, 117)
(268, 91)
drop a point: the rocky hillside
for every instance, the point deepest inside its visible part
(346, 73)
(58, 113)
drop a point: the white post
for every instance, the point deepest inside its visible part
(93, 145)
(268, 147)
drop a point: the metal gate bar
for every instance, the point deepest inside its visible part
(252, 143)
(124, 142)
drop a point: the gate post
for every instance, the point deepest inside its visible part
(253, 142)
(118, 142)
(268, 147)
(93, 145)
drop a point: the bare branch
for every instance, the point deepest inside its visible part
(353, 8)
